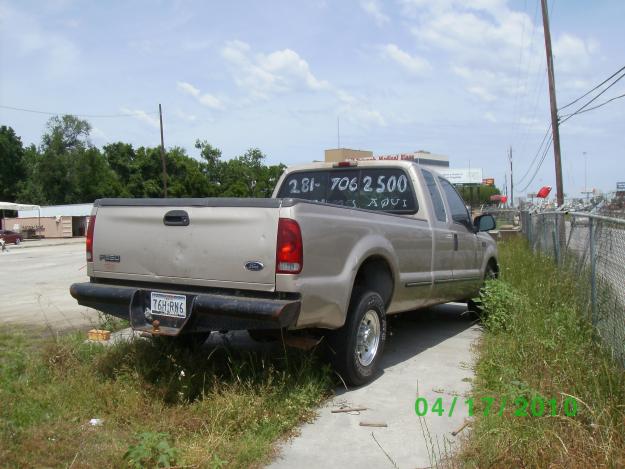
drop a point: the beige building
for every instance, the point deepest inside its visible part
(422, 157)
(342, 154)
(56, 221)
(47, 227)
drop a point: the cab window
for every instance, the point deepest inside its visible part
(380, 189)
(459, 212)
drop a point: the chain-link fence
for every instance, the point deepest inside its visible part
(594, 246)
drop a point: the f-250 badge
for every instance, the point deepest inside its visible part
(110, 258)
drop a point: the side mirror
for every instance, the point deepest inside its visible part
(484, 223)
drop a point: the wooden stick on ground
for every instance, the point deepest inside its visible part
(348, 409)
(462, 427)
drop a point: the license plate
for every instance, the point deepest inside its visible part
(167, 304)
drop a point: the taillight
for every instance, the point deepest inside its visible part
(289, 249)
(90, 239)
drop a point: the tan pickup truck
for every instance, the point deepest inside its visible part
(335, 250)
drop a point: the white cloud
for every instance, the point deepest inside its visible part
(205, 99)
(28, 38)
(266, 74)
(489, 116)
(185, 116)
(374, 10)
(411, 63)
(98, 134)
(150, 119)
(498, 48)
(482, 93)
(358, 111)
(572, 53)
(285, 71)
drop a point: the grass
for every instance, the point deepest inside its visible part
(208, 408)
(538, 342)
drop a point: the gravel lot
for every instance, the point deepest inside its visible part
(34, 284)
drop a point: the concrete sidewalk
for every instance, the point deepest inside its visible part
(429, 354)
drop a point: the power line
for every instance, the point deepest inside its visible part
(598, 86)
(529, 168)
(128, 114)
(596, 107)
(542, 160)
(593, 99)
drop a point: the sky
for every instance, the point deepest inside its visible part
(462, 78)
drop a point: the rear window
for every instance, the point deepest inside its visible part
(381, 189)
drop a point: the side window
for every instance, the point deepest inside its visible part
(435, 195)
(459, 211)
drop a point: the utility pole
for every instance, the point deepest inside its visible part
(160, 115)
(554, 106)
(338, 132)
(511, 179)
(505, 184)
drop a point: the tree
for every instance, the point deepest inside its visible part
(12, 169)
(67, 168)
(248, 176)
(476, 195)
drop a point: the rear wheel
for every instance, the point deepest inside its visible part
(357, 346)
(17, 241)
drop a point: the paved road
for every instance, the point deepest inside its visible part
(34, 285)
(430, 355)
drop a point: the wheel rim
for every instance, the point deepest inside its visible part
(368, 338)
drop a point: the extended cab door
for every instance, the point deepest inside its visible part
(466, 271)
(443, 240)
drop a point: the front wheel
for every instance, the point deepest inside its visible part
(17, 241)
(475, 304)
(357, 346)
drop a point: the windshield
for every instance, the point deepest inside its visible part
(382, 189)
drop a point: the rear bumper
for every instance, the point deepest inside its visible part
(205, 311)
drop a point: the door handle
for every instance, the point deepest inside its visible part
(455, 242)
(176, 218)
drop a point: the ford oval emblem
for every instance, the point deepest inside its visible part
(254, 266)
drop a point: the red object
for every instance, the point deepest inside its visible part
(503, 199)
(289, 249)
(345, 164)
(10, 237)
(543, 192)
(89, 242)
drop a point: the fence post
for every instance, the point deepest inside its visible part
(543, 238)
(593, 272)
(529, 230)
(554, 235)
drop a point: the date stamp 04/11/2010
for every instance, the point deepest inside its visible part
(537, 406)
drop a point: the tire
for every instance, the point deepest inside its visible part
(17, 241)
(475, 304)
(356, 348)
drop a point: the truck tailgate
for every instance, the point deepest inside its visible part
(222, 236)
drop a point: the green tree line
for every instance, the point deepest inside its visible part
(479, 194)
(67, 168)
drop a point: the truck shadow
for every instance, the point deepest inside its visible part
(410, 334)
(414, 332)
